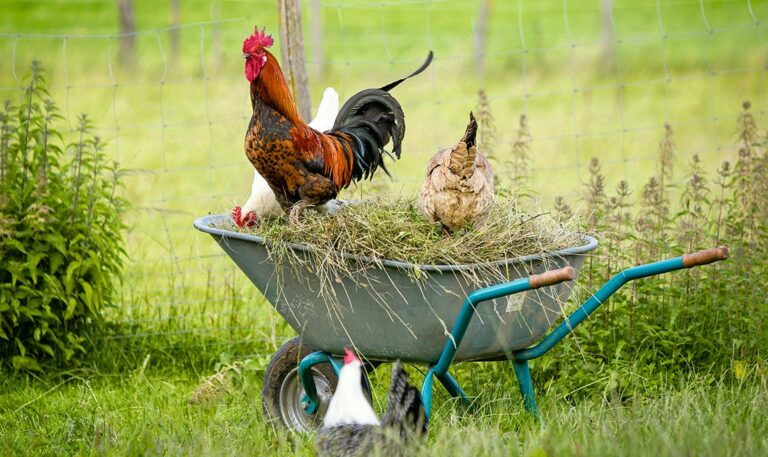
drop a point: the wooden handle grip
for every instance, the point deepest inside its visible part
(705, 257)
(552, 277)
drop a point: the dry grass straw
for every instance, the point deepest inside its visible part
(393, 229)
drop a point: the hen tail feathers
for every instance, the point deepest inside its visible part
(462, 162)
(405, 412)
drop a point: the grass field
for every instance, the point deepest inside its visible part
(145, 413)
(177, 126)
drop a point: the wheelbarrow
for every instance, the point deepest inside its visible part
(385, 314)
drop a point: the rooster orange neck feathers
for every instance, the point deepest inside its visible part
(268, 86)
(273, 90)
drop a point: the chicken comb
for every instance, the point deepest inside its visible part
(349, 356)
(257, 40)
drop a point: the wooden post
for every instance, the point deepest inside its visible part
(216, 34)
(292, 50)
(606, 33)
(316, 33)
(128, 30)
(175, 19)
(481, 34)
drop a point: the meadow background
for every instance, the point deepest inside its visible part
(175, 122)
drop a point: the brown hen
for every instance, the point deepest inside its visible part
(458, 190)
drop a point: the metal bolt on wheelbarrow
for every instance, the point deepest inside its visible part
(496, 322)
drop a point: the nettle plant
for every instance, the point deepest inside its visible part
(61, 246)
(709, 319)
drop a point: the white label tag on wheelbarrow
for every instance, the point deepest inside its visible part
(515, 302)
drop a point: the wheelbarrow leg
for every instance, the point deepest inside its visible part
(448, 382)
(453, 387)
(426, 392)
(523, 375)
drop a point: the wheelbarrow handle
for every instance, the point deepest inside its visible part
(705, 257)
(552, 277)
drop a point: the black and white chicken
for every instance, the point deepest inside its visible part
(351, 427)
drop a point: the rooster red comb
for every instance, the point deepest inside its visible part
(349, 356)
(257, 40)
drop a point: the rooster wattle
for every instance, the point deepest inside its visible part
(351, 428)
(304, 167)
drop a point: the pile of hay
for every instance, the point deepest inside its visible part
(394, 229)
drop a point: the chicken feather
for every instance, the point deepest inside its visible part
(304, 167)
(458, 189)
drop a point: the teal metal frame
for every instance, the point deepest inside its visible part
(309, 400)
(520, 357)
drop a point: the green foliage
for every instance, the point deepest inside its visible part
(486, 125)
(703, 318)
(147, 413)
(60, 232)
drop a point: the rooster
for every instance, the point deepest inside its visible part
(458, 190)
(350, 426)
(262, 201)
(304, 167)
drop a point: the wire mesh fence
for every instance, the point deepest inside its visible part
(591, 82)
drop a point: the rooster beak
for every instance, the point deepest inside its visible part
(245, 55)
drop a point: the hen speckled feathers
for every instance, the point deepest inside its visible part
(404, 420)
(458, 189)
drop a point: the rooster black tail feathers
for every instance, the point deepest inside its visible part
(405, 412)
(423, 67)
(373, 118)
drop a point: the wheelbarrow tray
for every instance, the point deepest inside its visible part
(386, 313)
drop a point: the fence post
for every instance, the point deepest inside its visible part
(292, 50)
(127, 31)
(481, 35)
(175, 19)
(606, 33)
(316, 34)
(216, 33)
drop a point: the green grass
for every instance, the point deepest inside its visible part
(179, 126)
(183, 304)
(145, 412)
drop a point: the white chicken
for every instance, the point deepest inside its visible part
(351, 428)
(458, 190)
(262, 201)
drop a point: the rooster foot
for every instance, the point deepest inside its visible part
(295, 213)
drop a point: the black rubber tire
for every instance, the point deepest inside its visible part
(283, 364)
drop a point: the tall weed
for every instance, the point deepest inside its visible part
(706, 318)
(61, 245)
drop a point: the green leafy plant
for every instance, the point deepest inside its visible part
(60, 231)
(709, 319)
(486, 125)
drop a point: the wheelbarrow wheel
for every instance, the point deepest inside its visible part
(282, 392)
